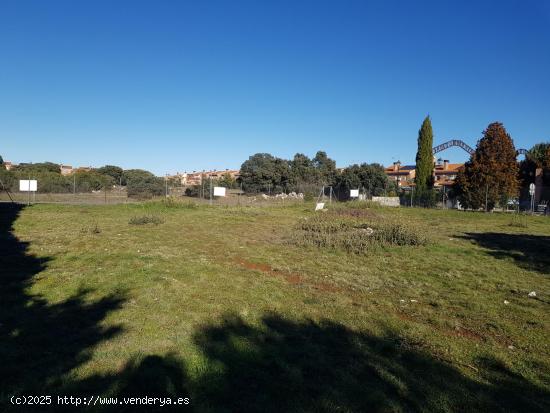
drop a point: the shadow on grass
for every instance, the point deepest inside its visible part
(275, 365)
(40, 342)
(528, 251)
(283, 365)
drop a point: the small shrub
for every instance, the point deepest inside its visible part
(92, 229)
(519, 221)
(355, 236)
(146, 219)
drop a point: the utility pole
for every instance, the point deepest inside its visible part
(532, 193)
(239, 194)
(211, 190)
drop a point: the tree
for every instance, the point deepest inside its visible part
(370, 178)
(326, 168)
(303, 175)
(87, 181)
(424, 157)
(491, 175)
(37, 167)
(1, 160)
(114, 172)
(539, 154)
(143, 184)
(263, 172)
(227, 181)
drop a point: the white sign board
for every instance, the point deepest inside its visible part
(219, 191)
(26, 185)
(319, 206)
(354, 193)
(532, 189)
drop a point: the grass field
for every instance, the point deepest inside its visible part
(229, 307)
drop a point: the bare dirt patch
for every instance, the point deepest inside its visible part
(291, 278)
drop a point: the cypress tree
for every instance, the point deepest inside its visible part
(424, 156)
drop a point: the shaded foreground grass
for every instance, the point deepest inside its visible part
(214, 304)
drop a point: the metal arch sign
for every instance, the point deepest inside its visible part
(465, 146)
(453, 142)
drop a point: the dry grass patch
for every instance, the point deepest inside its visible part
(355, 235)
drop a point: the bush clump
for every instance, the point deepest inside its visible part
(355, 236)
(143, 184)
(146, 219)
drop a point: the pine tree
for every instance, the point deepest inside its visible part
(424, 157)
(491, 175)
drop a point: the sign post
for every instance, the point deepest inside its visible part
(532, 193)
(28, 185)
(219, 191)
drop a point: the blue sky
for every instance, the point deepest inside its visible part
(171, 85)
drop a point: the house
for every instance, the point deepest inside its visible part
(402, 175)
(195, 178)
(8, 165)
(83, 169)
(66, 169)
(445, 173)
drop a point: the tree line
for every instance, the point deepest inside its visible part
(491, 177)
(138, 182)
(266, 173)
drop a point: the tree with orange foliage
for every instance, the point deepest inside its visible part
(490, 177)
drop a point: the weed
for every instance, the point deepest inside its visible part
(146, 219)
(92, 229)
(518, 220)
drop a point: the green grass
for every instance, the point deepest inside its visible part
(220, 304)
